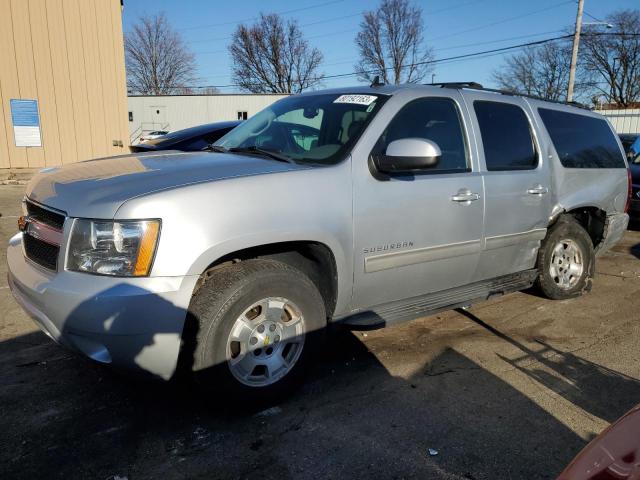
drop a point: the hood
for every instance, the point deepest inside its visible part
(97, 188)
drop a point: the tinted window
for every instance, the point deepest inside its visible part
(582, 141)
(435, 119)
(506, 136)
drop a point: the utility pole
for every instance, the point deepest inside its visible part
(574, 52)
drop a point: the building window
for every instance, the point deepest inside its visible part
(131, 116)
(242, 115)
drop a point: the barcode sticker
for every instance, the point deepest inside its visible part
(357, 99)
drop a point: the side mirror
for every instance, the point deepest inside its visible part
(409, 155)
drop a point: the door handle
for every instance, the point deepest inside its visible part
(538, 190)
(465, 196)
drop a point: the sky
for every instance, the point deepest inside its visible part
(452, 28)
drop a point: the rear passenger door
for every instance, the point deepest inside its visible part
(517, 184)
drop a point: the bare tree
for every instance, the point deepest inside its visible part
(209, 91)
(391, 44)
(611, 60)
(542, 71)
(272, 56)
(157, 59)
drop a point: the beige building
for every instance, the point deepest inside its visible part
(62, 82)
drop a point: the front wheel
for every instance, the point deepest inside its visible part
(566, 260)
(257, 322)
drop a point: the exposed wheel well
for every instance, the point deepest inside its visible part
(312, 258)
(592, 220)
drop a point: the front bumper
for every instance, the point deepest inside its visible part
(132, 323)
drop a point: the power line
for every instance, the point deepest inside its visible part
(283, 12)
(328, 20)
(504, 20)
(480, 27)
(350, 59)
(447, 59)
(452, 59)
(592, 17)
(489, 42)
(467, 45)
(589, 15)
(426, 62)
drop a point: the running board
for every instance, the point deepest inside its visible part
(399, 311)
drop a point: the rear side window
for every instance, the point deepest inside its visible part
(582, 141)
(506, 136)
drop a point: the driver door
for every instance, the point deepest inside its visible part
(420, 233)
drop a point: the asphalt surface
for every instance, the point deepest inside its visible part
(511, 389)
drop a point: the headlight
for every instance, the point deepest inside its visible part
(121, 248)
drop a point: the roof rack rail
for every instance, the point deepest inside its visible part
(478, 86)
(475, 85)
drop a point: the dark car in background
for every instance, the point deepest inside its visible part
(628, 140)
(631, 144)
(188, 140)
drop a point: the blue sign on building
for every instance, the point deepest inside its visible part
(26, 122)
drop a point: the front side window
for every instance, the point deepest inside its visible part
(435, 119)
(307, 128)
(582, 141)
(506, 136)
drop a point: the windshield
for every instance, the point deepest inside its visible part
(308, 128)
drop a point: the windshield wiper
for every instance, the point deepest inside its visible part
(216, 148)
(263, 152)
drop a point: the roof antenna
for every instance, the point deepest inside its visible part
(376, 82)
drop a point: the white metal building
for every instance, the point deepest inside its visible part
(623, 120)
(175, 112)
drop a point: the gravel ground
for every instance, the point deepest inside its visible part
(512, 388)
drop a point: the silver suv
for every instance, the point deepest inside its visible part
(363, 206)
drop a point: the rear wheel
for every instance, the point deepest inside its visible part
(566, 260)
(258, 322)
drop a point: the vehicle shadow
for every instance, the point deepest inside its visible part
(635, 250)
(63, 417)
(598, 390)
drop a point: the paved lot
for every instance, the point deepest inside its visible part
(512, 389)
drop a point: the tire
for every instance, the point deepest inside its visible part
(566, 261)
(257, 324)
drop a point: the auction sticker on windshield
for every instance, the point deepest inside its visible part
(357, 99)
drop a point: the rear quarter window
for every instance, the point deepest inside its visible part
(582, 141)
